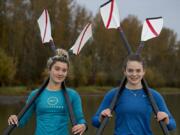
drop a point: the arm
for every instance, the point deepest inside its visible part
(103, 108)
(164, 112)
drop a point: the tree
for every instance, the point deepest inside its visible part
(7, 68)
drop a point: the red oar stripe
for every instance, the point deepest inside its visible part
(46, 21)
(82, 38)
(151, 28)
(110, 14)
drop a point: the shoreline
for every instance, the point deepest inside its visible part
(17, 99)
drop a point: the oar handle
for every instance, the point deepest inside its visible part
(164, 127)
(102, 126)
(112, 105)
(9, 129)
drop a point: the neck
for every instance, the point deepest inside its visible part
(53, 86)
(134, 87)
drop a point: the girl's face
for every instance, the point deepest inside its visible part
(134, 72)
(58, 72)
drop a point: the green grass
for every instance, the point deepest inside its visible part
(22, 90)
(14, 90)
(167, 90)
(93, 89)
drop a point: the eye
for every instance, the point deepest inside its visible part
(64, 70)
(130, 70)
(138, 70)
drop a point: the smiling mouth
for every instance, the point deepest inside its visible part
(134, 79)
(60, 78)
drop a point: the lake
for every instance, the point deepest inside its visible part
(90, 104)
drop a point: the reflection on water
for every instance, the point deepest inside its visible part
(90, 104)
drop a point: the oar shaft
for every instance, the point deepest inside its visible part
(125, 41)
(53, 47)
(10, 128)
(69, 105)
(141, 46)
(112, 105)
(154, 106)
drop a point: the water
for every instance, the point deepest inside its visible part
(90, 104)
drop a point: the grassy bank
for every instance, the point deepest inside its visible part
(16, 90)
(22, 90)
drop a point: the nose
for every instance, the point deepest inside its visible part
(134, 73)
(60, 73)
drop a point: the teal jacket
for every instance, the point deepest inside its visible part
(52, 116)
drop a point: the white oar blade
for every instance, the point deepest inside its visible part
(84, 36)
(151, 28)
(45, 26)
(110, 14)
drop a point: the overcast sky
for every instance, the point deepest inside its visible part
(168, 9)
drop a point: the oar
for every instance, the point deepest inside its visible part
(45, 29)
(10, 128)
(84, 36)
(111, 20)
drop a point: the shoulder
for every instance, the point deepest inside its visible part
(111, 92)
(155, 93)
(72, 92)
(33, 92)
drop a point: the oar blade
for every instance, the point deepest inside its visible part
(151, 28)
(84, 36)
(45, 27)
(110, 14)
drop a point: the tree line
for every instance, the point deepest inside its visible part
(23, 57)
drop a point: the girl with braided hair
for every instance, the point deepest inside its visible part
(52, 116)
(133, 109)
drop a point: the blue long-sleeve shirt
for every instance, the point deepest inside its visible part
(52, 117)
(133, 112)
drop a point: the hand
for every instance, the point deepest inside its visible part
(79, 129)
(105, 113)
(13, 120)
(163, 116)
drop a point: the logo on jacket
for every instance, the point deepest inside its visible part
(52, 100)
